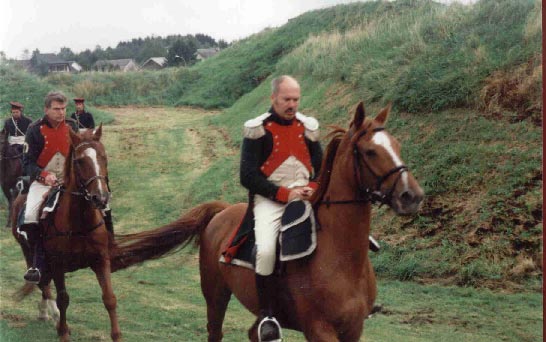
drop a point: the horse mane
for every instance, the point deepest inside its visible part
(323, 180)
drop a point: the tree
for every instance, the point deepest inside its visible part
(182, 52)
(26, 54)
(205, 41)
(222, 44)
(66, 54)
(38, 65)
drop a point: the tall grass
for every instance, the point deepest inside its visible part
(423, 56)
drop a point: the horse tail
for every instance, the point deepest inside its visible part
(132, 249)
(23, 292)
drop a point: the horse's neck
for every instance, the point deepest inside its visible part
(348, 224)
(78, 209)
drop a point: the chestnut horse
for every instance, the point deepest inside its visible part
(75, 235)
(11, 167)
(327, 295)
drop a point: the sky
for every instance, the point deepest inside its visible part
(48, 25)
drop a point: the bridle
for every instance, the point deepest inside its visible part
(365, 194)
(83, 184)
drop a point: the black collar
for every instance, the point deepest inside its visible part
(277, 118)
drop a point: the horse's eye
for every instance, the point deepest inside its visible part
(371, 153)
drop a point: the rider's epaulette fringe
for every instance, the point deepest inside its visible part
(254, 128)
(311, 126)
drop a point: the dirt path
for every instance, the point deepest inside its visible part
(200, 142)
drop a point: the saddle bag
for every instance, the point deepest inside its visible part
(298, 237)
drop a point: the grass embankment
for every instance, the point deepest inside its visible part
(481, 224)
(156, 156)
(30, 90)
(421, 55)
(481, 166)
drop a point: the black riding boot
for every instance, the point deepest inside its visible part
(36, 246)
(108, 221)
(269, 330)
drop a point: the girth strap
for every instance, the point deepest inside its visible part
(71, 233)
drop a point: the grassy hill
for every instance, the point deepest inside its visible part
(465, 82)
(16, 85)
(467, 110)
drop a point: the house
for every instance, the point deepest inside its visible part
(75, 67)
(124, 65)
(154, 63)
(203, 54)
(51, 63)
(57, 64)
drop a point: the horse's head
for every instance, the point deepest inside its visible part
(89, 165)
(378, 169)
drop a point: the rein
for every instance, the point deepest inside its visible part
(367, 194)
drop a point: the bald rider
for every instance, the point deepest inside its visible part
(280, 158)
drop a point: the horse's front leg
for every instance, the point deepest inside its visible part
(62, 303)
(102, 270)
(47, 307)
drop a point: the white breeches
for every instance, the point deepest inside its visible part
(267, 213)
(35, 198)
(267, 224)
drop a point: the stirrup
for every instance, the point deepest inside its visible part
(274, 335)
(32, 276)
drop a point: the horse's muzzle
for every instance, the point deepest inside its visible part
(100, 200)
(408, 201)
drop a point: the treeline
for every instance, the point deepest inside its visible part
(178, 49)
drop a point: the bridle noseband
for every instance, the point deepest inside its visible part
(366, 194)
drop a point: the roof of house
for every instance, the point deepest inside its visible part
(206, 53)
(161, 61)
(51, 58)
(115, 62)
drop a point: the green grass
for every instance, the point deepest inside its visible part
(159, 161)
(16, 85)
(481, 172)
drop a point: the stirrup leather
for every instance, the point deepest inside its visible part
(273, 321)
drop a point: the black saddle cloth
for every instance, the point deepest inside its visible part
(297, 238)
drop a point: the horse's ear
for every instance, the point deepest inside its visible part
(383, 115)
(98, 133)
(360, 115)
(74, 137)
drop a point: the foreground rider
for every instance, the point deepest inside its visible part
(280, 157)
(16, 126)
(47, 145)
(81, 116)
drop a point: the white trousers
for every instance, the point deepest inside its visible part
(267, 225)
(35, 198)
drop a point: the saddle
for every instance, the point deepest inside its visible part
(297, 237)
(49, 205)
